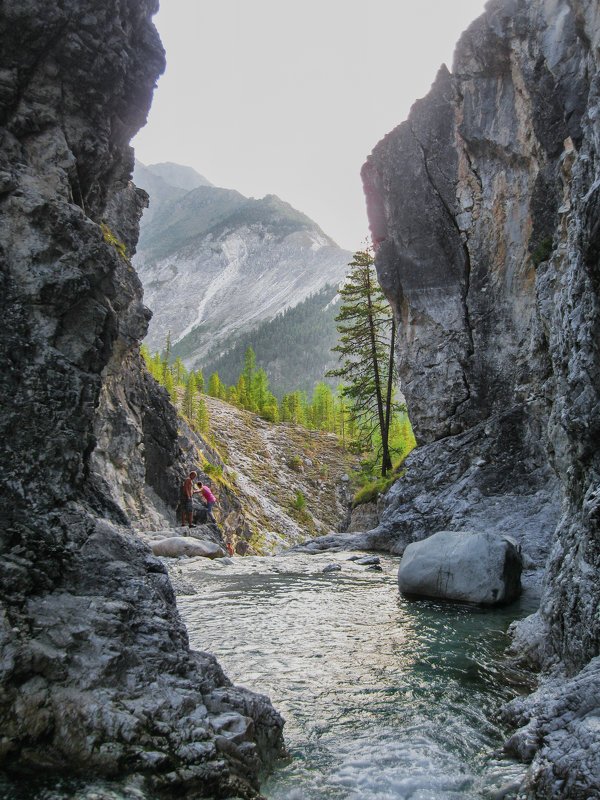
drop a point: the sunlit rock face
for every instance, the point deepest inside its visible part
(484, 205)
(95, 667)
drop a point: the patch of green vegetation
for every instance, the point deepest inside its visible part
(542, 251)
(214, 470)
(371, 489)
(111, 239)
(258, 540)
(299, 503)
(294, 463)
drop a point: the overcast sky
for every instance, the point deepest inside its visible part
(289, 98)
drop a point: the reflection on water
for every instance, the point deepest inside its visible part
(383, 698)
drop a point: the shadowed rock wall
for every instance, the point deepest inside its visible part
(95, 667)
(484, 207)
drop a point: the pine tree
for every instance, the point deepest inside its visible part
(156, 367)
(249, 368)
(322, 407)
(200, 415)
(167, 350)
(366, 330)
(179, 371)
(165, 362)
(260, 388)
(199, 380)
(188, 397)
(270, 409)
(170, 386)
(214, 385)
(242, 392)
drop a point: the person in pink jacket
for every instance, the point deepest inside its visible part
(209, 499)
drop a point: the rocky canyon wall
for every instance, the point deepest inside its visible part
(485, 207)
(96, 673)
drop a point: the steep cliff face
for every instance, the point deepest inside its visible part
(95, 666)
(485, 206)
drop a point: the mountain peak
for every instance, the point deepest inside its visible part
(214, 262)
(177, 175)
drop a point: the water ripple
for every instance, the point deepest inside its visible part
(384, 698)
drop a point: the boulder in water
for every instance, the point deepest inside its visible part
(482, 568)
(176, 546)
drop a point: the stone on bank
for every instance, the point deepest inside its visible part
(482, 568)
(176, 546)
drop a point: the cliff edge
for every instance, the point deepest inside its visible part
(95, 666)
(484, 208)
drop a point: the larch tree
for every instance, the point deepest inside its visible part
(366, 348)
(189, 394)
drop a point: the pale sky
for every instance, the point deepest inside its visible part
(289, 98)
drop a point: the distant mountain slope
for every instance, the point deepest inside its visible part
(175, 175)
(215, 263)
(294, 348)
(164, 183)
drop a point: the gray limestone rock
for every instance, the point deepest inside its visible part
(90, 638)
(363, 518)
(470, 567)
(176, 546)
(484, 208)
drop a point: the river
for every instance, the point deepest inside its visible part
(383, 697)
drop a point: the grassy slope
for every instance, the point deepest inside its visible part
(267, 465)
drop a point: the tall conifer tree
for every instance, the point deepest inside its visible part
(365, 326)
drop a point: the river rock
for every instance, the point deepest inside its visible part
(176, 546)
(368, 560)
(471, 567)
(332, 568)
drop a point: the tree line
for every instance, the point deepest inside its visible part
(363, 410)
(294, 347)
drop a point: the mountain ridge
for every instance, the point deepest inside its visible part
(214, 263)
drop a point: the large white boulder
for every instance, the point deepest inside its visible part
(177, 546)
(471, 567)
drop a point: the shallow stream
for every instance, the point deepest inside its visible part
(383, 697)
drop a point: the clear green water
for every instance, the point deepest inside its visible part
(383, 697)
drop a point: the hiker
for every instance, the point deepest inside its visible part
(209, 498)
(188, 493)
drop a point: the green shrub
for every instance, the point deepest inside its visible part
(214, 470)
(299, 503)
(111, 239)
(294, 463)
(371, 491)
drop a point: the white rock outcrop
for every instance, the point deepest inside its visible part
(461, 565)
